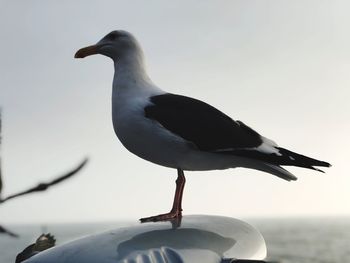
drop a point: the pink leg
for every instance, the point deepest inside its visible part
(176, 211)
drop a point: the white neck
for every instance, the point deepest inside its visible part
(131, 83)
(130, 72)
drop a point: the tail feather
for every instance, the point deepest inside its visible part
(279, 172)
(271, 169)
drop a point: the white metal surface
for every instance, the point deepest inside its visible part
(200, 238)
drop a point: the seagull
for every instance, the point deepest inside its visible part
(181, 132)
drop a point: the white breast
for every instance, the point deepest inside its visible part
(142, 136)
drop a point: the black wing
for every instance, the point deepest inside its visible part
(198, 122)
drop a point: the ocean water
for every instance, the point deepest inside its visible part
(316, 240)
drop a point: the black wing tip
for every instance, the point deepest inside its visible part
(302, 160)
(322, 164)
(318, 170)
(328, 165)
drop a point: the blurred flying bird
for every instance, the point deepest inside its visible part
(40, 187)
(181, 132)
(44, 186)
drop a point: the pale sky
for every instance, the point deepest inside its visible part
(282, 67)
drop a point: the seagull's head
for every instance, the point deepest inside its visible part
(115, 45)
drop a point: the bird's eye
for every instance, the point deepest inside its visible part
(111, 36)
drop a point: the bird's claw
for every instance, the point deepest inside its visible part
(173, 215)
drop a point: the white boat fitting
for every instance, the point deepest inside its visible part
(199, 238)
